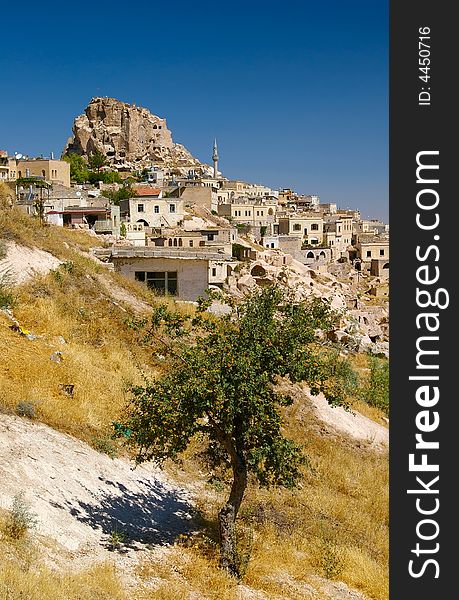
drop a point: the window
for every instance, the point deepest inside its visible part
(172, 208)
(139, 275)
(214, 272)
(140, 208)
(314, 227)
(297, 227)
(156, 209)
(162, 282)
(210, 237)
(368, 253)
(381, 252)
(191, 243)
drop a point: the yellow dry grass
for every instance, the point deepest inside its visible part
(17, 580)
(335, 525)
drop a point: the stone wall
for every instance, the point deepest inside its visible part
(192, 275)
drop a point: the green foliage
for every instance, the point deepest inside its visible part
(105, 445)
(20, 518)
(97, 160)
(79, 172)
(104, 176)
(124, 193)
(375, 390)
(219, 381)
(116, 540)
(7, 297)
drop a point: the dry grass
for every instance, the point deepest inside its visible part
(24, 574)
(39, 583)
(335, 525)
(82, 337)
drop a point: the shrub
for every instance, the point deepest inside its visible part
(7, 298)
(25, 409)
(20, 518)
(375, 391)
(105, 445)
(116, 540)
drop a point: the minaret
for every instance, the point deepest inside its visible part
(215, 159)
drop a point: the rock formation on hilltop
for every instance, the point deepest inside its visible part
(131, 137)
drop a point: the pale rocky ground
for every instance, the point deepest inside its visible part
(22, 263)
(82, 496)
(351, 423)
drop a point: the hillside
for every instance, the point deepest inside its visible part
(70, 348)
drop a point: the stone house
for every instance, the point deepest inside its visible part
(369, 248)
(379, 268)
(152, 209)
(234, 189)
(52, 171)
(101, 219)
(308, 226)
(182, 273)
(197, 192)
(338, 234)
(252, 212)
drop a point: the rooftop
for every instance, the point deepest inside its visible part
(166, 252)
(146, 190)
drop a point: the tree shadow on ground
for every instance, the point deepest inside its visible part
(152, 514)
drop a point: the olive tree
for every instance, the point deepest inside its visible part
(220, 380)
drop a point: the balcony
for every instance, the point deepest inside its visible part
(103, 226)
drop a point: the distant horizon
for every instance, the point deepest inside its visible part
(297, 98)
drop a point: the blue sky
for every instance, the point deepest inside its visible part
(296, 92)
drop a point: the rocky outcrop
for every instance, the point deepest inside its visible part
(363, 329)
(131, 137)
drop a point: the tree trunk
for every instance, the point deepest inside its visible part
(227, 516)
